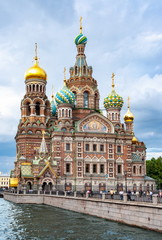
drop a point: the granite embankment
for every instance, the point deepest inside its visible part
(144, 215)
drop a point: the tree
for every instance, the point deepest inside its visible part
(154, 170)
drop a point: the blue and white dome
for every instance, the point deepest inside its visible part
(65, 96)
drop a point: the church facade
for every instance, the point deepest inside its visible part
(68, 144)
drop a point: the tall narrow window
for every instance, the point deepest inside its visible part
(119, 169)
(62, 112)
(28, 109)
(75, 99)
(140, 169)
(87, 147)
(67, 146)
(37, 108)
(94, 168)
(101, 148)
(87, 168)
(119, 149)
(94, 147)
(67, 167)
(134, 169)
(102, 168)
(86, 99)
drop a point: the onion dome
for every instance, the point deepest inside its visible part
(128, 117)
(80, 39)
(65, 95)
(53, 106)
(113, 100)
(134, 140)
(35, 72)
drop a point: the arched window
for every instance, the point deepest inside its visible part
(69, 113)
(75, 98)
(28, 110)
(37, 108)
(84, 69)
(40, 88)
(86, 99)
(140, 169)
(134, 169)
(37, 87)
(75, 70)
(62, 112)
(112, 116)
(30, 88)
(66, 113)
(33, 87)
(116, 116)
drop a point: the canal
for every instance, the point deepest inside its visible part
(25, 222)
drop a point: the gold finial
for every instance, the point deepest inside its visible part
(113, 85)
(128, 102)
(43, 133)
(64, 76)
(36, 53)
(81, 24)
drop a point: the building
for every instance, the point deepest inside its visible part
(68, 144)
(4, 181)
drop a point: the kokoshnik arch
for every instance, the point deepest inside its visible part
(68, 144)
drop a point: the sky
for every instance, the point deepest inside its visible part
(124, 37)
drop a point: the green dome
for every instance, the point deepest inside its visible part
(80, 39)
(113, 100)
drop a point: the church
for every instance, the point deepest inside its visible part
(67, 143)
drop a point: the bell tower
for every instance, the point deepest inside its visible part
(35, 110)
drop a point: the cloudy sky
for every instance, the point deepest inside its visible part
(124, 37)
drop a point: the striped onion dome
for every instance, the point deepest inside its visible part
(65, 96)
(80, 39)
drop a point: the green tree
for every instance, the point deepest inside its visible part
(154, 170)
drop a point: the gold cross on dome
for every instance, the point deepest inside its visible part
(112, 77)
(128, 102)
(81, 24)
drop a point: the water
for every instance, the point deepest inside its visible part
(25, 222)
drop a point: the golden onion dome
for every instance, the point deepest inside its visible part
(134, 140)
(35, 72)
(128, 117)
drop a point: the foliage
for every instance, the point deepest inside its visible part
(154, 170)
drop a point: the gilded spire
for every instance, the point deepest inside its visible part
(52, 91)
(64, 76)
(113, 84)
(81, 25)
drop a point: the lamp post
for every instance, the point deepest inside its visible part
(65, 182)
(125, 175)
(91, 182)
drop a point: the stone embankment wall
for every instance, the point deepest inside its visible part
(145, 215)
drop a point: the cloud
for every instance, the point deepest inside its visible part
(6, 164)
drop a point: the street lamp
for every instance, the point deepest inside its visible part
(65, 182)
(91, 181)
(125, 174)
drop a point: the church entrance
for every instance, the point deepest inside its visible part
(47, 186)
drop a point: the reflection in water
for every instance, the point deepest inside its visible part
(25, 222)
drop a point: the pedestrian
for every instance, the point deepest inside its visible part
(111, 193)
